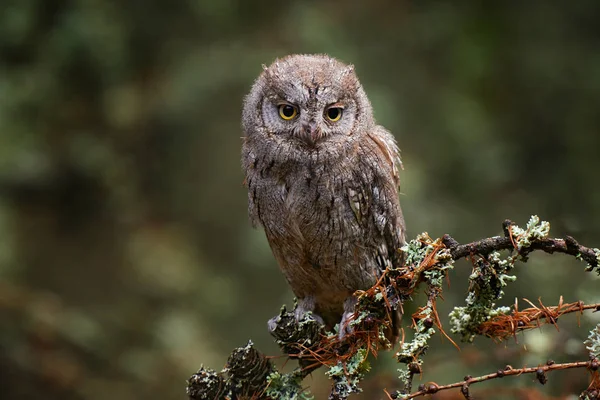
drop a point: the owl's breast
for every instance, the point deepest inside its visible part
(306, 206)
(321, 236)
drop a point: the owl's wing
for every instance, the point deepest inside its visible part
(384, 209)
(376, 203)
(389, 149)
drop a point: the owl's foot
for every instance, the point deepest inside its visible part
(347, 317)
(307, 305)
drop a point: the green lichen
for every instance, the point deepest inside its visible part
(286, 387)
(591, 267)
(534, 230)
(466, 320)
(417, 250)
(346, 375)
(490, 275)
(488, 278)
(593, 342)
(411, 351)
(434, 273)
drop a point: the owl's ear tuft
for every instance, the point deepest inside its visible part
(349, 70)
(270, 71)
(348, 78)
(273, 70)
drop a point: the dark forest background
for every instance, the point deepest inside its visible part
(126, 255)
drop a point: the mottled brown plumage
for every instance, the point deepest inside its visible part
(324, 188)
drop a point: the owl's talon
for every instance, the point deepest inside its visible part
(313, 316)
(272, 324)
(345, 327)
(347, 317)
(306, 308)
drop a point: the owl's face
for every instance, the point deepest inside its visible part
(310, 100)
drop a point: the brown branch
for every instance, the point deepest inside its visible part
(483, 247)
(540, 372)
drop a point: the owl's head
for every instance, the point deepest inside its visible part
(309, 99)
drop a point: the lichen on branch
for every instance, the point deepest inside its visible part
(249, 373)
(592, 344)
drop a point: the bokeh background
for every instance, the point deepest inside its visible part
(126, 256)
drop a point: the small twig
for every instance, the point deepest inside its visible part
(508, 371)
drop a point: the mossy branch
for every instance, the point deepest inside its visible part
(483, 247)
(250, 375)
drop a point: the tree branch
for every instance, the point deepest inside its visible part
(540, 372)
(249, 373)
(483, 247)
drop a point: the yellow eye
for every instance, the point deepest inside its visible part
(334, 113)
(287, 111)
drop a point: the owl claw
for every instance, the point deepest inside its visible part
(306, 308)
(272, 324)
(345, 327)
(314, 316)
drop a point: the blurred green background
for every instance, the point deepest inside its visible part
(126, 255)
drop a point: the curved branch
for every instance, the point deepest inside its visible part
(483, 247)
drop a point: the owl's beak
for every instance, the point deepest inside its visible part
(311, 133)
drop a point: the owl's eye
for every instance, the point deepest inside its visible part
(287, 111)
(334, 113)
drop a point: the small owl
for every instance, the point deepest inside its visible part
(323, 182)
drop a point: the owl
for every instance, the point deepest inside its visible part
(322, 181)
